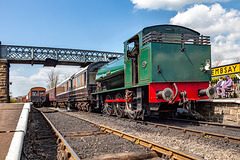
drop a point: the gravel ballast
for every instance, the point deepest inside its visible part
(205, 147)
(94, 146)
(40, 140)
(234, 132)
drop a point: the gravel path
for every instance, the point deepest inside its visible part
(90, 147)
(206, 148)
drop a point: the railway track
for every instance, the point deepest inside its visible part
(199, 133)
(89, 134)
(166, 152)
(64, 149)
(224, 126)
(44, 141)
(225, 138)
(209, 142)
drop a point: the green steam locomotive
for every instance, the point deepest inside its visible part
(163, 67)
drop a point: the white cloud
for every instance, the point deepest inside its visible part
(39, 79)
(168, 4)
(222, 25)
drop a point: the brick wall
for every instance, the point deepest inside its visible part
(4, 81)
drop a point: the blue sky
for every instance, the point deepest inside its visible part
(105, 25)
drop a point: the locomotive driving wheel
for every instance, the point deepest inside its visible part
(88, 108)
(108, 107)
(119, 107)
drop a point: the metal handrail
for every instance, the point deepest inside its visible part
(175, 38)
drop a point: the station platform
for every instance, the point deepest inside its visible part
(226, 111)
(225, 100)
(10, 116)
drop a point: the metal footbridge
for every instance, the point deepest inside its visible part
(53, 56)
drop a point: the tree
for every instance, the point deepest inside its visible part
(218, 60)
(53, 78)
(237, 59)
(66, 75)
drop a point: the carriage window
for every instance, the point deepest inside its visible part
(83, 79)
(34, 93)
(68, 85)
(41, 93)
(73, 83)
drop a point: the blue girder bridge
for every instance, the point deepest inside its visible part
(53, 56)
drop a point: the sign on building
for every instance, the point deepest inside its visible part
(227, 69)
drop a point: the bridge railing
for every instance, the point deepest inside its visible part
(16, 54)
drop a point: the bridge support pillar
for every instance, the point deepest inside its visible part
(4, 81)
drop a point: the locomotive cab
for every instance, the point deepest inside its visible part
(132, 57)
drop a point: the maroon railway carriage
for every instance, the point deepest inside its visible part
(76, 90)
(37, 95)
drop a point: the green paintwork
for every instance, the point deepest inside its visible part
(117, 89)
(144, 69)
(177, 66)
(113, 68)
(128, 72)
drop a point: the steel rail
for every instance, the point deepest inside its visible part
(192, 132)
(170, 153)
(206, 123)
(199, 133)
(69, 152)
